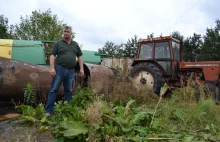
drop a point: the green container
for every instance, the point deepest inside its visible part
(33, 51)
(28, 51)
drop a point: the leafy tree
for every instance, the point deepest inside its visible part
(109, 48)
(39, 26)
(211, 48)
(119, 51)
(177, 35)
(4, 32)
(192, 47)
(131, 47)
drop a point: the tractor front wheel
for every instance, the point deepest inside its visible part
(147, 75)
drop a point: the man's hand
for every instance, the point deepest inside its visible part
(81, 73)
(52, 71)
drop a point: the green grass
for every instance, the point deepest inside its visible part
(130, 115)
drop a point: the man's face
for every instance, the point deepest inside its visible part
(67, 33)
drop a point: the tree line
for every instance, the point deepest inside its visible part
(195, 48)
(47, 26)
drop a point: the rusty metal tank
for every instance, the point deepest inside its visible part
(14, 75)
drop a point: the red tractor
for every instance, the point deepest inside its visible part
(159, 61)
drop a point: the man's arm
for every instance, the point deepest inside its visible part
(80, 63)
(52, 60)
(80, 60)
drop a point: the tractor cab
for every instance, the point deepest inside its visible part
(163, 51)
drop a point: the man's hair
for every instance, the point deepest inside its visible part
(68, 27)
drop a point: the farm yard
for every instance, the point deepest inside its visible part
(157, 86)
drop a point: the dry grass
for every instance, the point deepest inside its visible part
(94, 114)
(193, 92)
(122, 92)
(100, 85)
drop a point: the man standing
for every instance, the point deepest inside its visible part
(63, 70)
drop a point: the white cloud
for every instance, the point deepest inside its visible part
(14, 9)
(117, 20)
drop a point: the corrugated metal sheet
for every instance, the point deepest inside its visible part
(122, 64)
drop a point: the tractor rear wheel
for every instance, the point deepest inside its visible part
(147, 75)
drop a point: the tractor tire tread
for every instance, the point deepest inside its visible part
(153, 69)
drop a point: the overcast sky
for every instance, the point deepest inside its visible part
(96, 21)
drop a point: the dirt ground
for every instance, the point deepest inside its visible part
(16, 131)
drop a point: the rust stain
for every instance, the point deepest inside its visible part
(156, 38)
(8, 77)
(9, 116)
(34, 76)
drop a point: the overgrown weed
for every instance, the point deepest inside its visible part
(130, 115)
(185, 112)
(123, 91)
(30, 94)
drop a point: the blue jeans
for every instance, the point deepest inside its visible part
(62, 76)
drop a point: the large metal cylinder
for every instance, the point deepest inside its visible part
(14, 75)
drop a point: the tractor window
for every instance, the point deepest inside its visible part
(146, 50)
(176, 50)
(166, 66)
(162, 50)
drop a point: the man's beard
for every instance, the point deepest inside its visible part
(67, 38)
